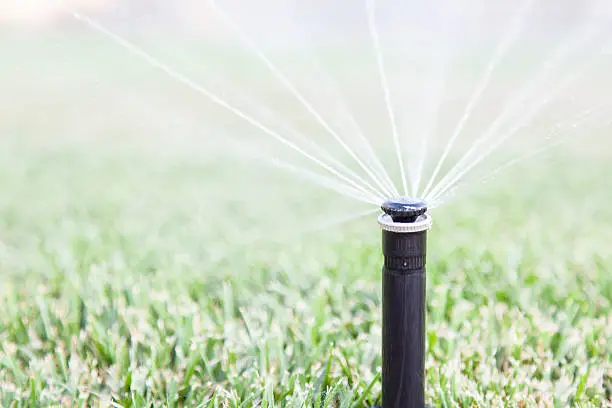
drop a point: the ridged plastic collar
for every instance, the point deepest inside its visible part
(387, 224)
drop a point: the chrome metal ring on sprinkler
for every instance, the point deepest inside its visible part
(405, 223)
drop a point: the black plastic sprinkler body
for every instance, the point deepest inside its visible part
(404, 245)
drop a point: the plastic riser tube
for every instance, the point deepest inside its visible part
(404, 245)
(403, 325)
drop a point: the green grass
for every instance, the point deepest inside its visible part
(121, 286)
(140, 268)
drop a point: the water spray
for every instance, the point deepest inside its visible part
(404, 224)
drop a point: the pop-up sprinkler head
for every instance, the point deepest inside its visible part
(404, 209)
(404, 245)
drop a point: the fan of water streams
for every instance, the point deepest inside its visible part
(377, 98)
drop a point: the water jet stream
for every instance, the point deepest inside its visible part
(329, 183)
(518, 101)
(369, 153)
(287, 129)
(213, 97)
(559, 129)
(321, 180)
(323, 153)
(372, 26)
(512, 34)
(375, 161)
(433, 110)
(457, 172)
(296, 93)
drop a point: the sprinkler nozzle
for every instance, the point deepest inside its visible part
(404, 209)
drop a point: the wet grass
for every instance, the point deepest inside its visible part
(123, 284)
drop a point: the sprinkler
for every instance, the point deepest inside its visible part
(404, 245)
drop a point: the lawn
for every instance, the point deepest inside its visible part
(141, 264)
